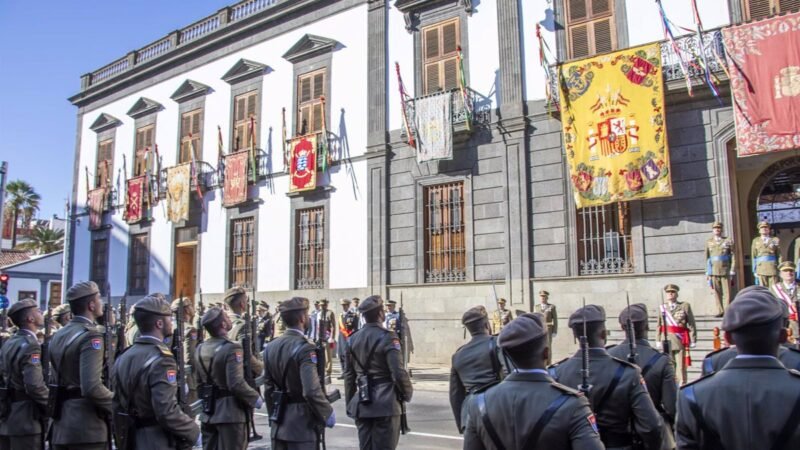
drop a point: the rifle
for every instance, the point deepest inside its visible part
(45, 358)
(200, 312)
(497, 305)
(254, 324)
(178, 337)
(122, 323)
(404, 346)
(247, 350)
(630, 334)
(584, 387)
(108, 359)
(666, 346)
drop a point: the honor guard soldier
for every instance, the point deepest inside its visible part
(550, 316)
(236, 300)
(475, 366)
(189, 345)
(787, 292)
(326, 333)
(146, 410)
(617, 391)
(765, 254)
(398, 322)
(311, 330)
(62, 315)
(680, 329)
(720, 263)
(348, 324)
(24, 401)
(376, 385)
(299, 408)
(265, 324)
(528, 410)
(752, 402)
(501, 316)
(657, 369)
(221, 385)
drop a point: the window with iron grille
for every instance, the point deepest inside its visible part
(310, 90)
(445, 240)
(99, 265)
(242, 257)
(144, 142)
(440, 44)
(245, 121)
(139, 265)
(310, 253)
(104, 169)
(604, 239)
(191, 135)
(590, 27)
(761, 9)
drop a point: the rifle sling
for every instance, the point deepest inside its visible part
(64, 354)
(127, 403)
(487, 423)
(711, 437)
(209, 379)
(284, 387)
(533, 438)
(611, 387)
(369, 355)
(650, 363)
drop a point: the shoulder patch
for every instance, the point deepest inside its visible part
(396, 344)
(313, 356)
(238, 355)
(97, 343)
(593, 422)
(193, 335)
(172, 375)
(36, 358)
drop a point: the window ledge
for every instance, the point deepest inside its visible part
(316, 190)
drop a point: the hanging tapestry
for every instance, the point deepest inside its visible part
(178, 188)
(235, 190)
(615, 134)
(434, 127)
(96, 203)
(764, 62)
(303, 169)
(135, 198)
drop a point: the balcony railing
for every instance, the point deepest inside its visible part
(263, 169)
(208, 177)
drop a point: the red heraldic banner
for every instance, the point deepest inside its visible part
(764, 61)
(97, 199)
(134, 202)
(303, 168)
(235, 178)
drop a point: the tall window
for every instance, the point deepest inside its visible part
(245, 122)
(139, 264)
(440, 44)
(242, 254)
(144, 142)
(99, 264)
(761, 9)
(310, 89)
(604, 239)
(310, 254)
(590, 27)
(104, 170)
(445, 240)
(191, 135)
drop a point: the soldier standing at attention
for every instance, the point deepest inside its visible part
(220, 364)
(720, 263)
(236, 299)
(475, 366)
(354, 305)
(290, 370)
(76, 358)
(189, 345)
(501, 316)
(145, 387)
(375, 382)
(311, 329)
(680, 328)
(548, 312)
(765, 256)
(787, 292)
(348, 324)
(265, 324)
(326, 333)
(398, 323)
(752, 402)
(618, 395)
(62, 314)
(21, 369)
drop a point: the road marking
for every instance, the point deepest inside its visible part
(414, 433)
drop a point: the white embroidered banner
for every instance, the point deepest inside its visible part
(434, 127)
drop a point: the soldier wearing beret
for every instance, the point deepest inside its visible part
(753, 401)
(475, 366)
(786, 291)
(189, 345)
(236, 299)
(617, 393)
(501, 316)
(720, 263)
(657, 369)
(146, 410)
(680, 329)
(290, 371)
(765, 254)
(62, 314)
(348, 324)
(375, 366)
(325, 333)
(550, 315)
(76, 358)
(22, 412)
(220, 365)
(516, 414)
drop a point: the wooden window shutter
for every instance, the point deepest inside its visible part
(316, 114)
(305, 120)
(450, 74)
(579, 41)
(789, 5)
(148, 139)
(240, 108)
(759, 9)
(600, 7)
(195, 124)
(305, 90)
(432, 78)
(577, 10)
(449, 38)
(319, 85)
(431, 43)
(602, 36)
(252, 107)
(239, 136)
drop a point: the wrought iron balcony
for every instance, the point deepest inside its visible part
(263, 168)
(459, 113)
(208, 178)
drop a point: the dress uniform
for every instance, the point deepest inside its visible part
(787, 292)
(76, 359)
(720, 263)
(238, 329)
(145, 390)
(501, 316)
(398, 323)
(752, 402)
(618, 395)
(657, 369)
(550, 316)
(529, 410)
(22, 414)
(220, 364)
(190, 335)
(475, 366)
(326, 333)
(290, 370)
(375, 361)
(348, 324)
(681, 329)
(265, 324)
(765, 254)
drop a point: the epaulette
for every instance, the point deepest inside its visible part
(566, 389)
(554, 365)
(794, 372)
(165, 351)
(625, 362)
(704, 377)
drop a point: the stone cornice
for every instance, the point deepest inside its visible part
(103, 122)
(143, 107)
(308, 46)
(188, 90)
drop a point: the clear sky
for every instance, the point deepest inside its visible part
(45, 46)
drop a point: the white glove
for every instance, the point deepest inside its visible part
(693, 345)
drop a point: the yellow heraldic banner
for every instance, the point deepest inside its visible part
(612, 111)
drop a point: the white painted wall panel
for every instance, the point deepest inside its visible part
(483, 56)
(536, 12)
(400, 44)
(348, 222)
(275, 228)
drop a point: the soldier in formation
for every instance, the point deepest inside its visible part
(265, 324)
(326, 333)
(62, 314)
(237, 301)
(501, 316)
(550, 316)
(720, 263)
(189, 344)
(398, 323)
(765, 253)
(676, 323)
(348, 324)
(786, 291)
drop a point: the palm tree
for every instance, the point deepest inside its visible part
(44, 240)
(22, 200)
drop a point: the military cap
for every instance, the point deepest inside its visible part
(345, 301)
(370, 303)
(763, 224)
(61, 309)
(22, 305)
(391, 302)
(716, 225)
(154, 305)
(316, 303)
(787, 265)
(262, 305)
(293, 304)
(754, 307)
(502, 300)
(637, 313)
(545, 293)
(82, 289)
(521, 331)
(323, 301)
(232, 293)
(474, 314)
(588, 314)
(671, 288)
(211, 315)
(177, 303)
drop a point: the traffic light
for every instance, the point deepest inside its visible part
(4, 283)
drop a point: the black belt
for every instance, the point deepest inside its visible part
(381, 380)
(146, 422)
(222, 393)
(70, 393)
(613, 439)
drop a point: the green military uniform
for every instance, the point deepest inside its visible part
(720, 263)
(765, 254)
(23, 413)
(788, 295)
(326, 333)
(236, 334)
(681, 329)
(501, 316)
(375, 353)
(550, 316)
